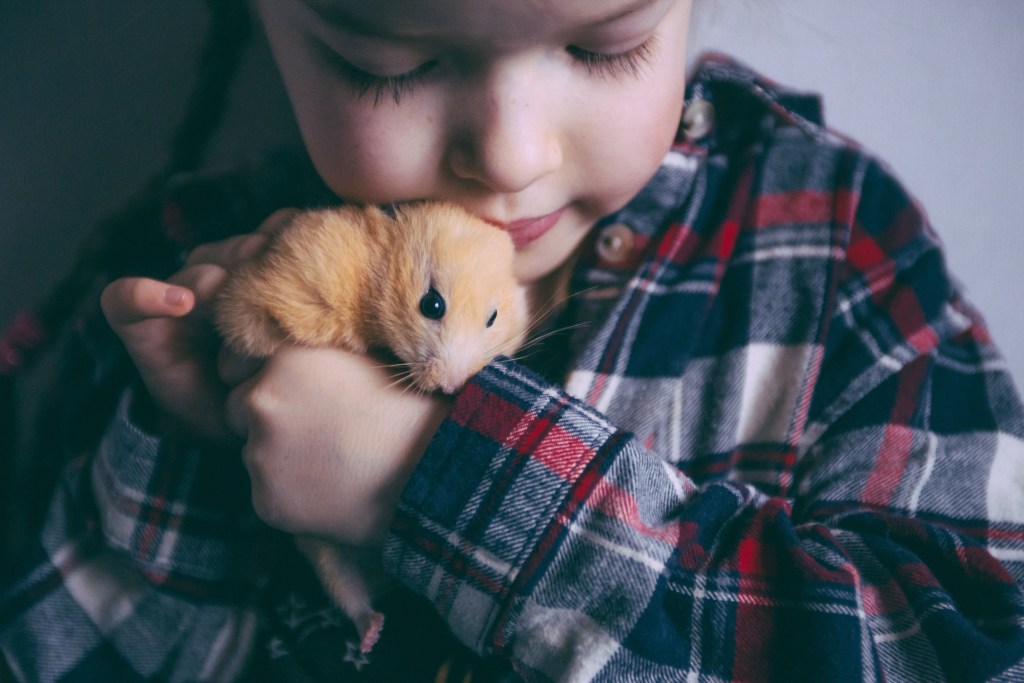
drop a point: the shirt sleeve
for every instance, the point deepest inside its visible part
(549, 537)
(147, 566)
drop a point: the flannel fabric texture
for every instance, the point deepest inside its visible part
(780, 445)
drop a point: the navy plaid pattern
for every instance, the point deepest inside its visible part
(784, 448)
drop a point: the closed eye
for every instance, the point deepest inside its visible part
(494, 315)
(628, 63)
(396, 86)
(364, 83)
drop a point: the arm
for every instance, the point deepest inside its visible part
(150, 557)
(146, 563)
(547, 536)
(596, 558)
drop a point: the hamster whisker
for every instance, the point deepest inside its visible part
(408, 385)
(531, 346)
(533, 341)
(520, 357)
(554, 301)
(401, 378)
(540, 316)
(388, 366)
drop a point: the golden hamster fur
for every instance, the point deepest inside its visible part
(433, 284)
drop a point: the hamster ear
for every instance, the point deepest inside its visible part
(433, 305)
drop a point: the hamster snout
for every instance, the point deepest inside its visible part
(461, 305)
(451, 367)
(447, 360)
(450, 372)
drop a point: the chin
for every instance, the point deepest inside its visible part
(535, 263)
(543, 257)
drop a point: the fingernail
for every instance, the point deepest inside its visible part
(175, 296)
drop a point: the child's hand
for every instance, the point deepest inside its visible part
(171, 344)
(331, 441)
(167, 330)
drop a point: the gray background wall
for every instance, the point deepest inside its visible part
(90, 91)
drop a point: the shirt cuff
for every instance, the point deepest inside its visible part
(490, 501)
(182, 514)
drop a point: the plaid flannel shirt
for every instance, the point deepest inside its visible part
(784, 448)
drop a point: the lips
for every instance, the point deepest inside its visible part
(527, 230)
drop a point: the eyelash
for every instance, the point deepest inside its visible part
(396, 86)
(628, 63)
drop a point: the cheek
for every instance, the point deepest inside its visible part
(368, 154)
(631, 123)
(618, 147)
(636, 133)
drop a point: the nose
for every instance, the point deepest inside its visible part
(508, 137)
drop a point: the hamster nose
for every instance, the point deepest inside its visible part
(450, 382)
(451, 386)
(454, 371)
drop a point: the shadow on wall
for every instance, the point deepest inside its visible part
(89, 97)
(90, 94)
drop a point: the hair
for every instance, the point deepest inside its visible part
(128, 235)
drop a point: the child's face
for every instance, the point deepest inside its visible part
(540, 115)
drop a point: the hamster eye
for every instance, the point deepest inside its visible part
(490, 321)
(432, 305)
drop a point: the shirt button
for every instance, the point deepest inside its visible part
(698, 119)
(615, 244)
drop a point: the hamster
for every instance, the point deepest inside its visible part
(431, 284)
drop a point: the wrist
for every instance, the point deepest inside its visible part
(143, 411)
(146, 414)
(436, 410)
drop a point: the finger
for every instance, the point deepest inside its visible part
(134, 299)
(236, 413)
(203, 280)
(235, 250)
(228, 253)
(235, 368)
(277, 220)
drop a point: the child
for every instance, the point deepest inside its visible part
(767, 440)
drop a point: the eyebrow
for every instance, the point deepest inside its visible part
(336, 16)
(633, 8)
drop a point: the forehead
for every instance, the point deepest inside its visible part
(483, 20)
